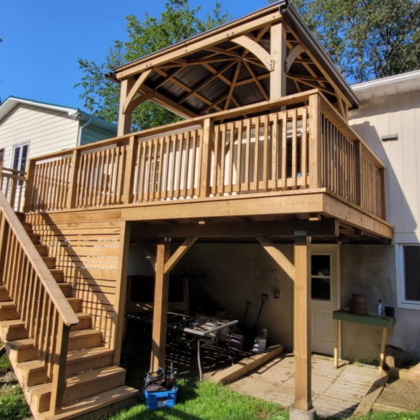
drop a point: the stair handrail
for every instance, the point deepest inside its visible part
(12, 184)
(53, 289)
(39, 300)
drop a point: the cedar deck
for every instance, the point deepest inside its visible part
(265, 154)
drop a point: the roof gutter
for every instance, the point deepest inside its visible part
(79, 137)
(295, 22)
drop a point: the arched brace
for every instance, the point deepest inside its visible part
(291, 57)
(256, 49)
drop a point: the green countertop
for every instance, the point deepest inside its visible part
(376, 321)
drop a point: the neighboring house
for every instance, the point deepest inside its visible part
(31, 128)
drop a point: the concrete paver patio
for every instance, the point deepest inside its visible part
(335, 392)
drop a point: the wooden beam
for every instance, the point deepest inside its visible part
(137, 85)
(222, 51)
(160, 308)
(214, 71)
(314, 110)
(278, 57)
(204, 180)
(138, 101)
(241, 229)
(170, 76)
(200, 43)
(178, 254)
(277, 256)
(233, 85)
(251, 80)
(302, 323)
(256, 49)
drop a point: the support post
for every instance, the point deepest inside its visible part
(278, 55)
(206, 156)
(124, 119)
(121, 291)
(59, 370)
(314, 141)
(302, 329)
(29, 187)
(160, 307)
(382, 171)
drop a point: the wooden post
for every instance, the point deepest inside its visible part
(383, 344)
(129, 169)
(302, 323)
(314, 141)
(74, 170)
(29, 187)
(124, 119)
(336, 341)
(13, 189)
(59, 371)
(121, 290)
(160, 307)
(206, 157)
(278, 56)
(357, 173)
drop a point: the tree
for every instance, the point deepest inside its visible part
(176, 23)
(366, 38)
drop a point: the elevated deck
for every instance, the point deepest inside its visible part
(262, 162)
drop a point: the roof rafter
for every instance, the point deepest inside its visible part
(257, 82)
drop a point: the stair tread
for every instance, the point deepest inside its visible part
(93, 403)
(28, 342)
(7, 304)
(73, 356)
(82, 378)
(12, 323)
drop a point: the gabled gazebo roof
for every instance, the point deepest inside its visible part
(229, 66)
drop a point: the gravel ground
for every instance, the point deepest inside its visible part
(402, 394)
(8, 378)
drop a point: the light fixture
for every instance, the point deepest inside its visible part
(390, 137)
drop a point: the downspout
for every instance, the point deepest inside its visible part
(79, 137)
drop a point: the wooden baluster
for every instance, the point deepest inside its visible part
(172, 167)
(358, 173)
(166, 168)
(284, 152)
(222, 159)
(29, 188)
(59, 371)
(147, 169)
(13, 188)
(178, 165)
(247, 154)
(216, 157)
(382, 195)
(192, 189)
(186, 164)
(159, 182)
(153, 168)
(304, 157)
(294, 149)
(274, 150)
(265, 154)
(142, 171)
(239, 157)
(231, 129)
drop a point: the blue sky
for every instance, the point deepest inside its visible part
(43, 39)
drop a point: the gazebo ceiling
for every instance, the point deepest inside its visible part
(226, 74)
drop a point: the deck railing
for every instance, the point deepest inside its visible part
(12, 185)
(42, 306)
(226, 153)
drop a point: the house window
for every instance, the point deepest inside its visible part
(20, 157)
(408, 276)
(321, 277)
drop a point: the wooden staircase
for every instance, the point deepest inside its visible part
(91, 384)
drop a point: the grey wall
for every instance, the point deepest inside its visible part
(370, 270)
(236, 273)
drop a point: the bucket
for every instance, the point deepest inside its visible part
(358, 305)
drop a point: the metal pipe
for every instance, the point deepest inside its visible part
(79, 137)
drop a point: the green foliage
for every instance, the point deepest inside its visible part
(206, 401)
(176, 23)
(366, 38)
(12, 403)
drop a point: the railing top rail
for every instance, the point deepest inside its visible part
(56, 295)
(13, 171)
(273, 105)
(332, 114)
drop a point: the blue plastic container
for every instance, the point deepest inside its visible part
(163, 399)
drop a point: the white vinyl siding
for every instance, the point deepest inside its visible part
(92, 134)
(46, 131)
(398, 114)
